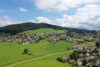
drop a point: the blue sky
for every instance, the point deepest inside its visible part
(67, 13)
(12, 9)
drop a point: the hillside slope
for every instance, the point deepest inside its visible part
(16, 28)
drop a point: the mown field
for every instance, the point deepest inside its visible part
(12, 52)
(49, 61)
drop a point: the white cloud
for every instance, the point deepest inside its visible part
(42, 20)
(62, 5)
(87, 18)
(23, 9)
(5, 20)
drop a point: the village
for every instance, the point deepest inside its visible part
(81, 56)
(84, 57)
(26, 38)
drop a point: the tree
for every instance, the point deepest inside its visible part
(62, 60)
(75, 55)
(26, 51)
(85, 62)
(98, 44)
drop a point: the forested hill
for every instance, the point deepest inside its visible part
(16, 28)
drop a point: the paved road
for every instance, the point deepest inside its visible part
(25, 61)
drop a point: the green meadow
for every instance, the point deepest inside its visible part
(13, 52)
(44, 53)
(45, 30)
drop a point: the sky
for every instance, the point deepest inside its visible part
(84, 14)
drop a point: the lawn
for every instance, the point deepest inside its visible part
(44, 63)
(12, 52)
(45, 30)
(49, 61)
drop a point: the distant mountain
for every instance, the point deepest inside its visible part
(16, 28)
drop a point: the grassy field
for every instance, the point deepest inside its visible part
(45, 30)
(44, 54)
(49, 61)
(12, 52)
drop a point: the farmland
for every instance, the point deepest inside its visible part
(43, 53)
(11, 52)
